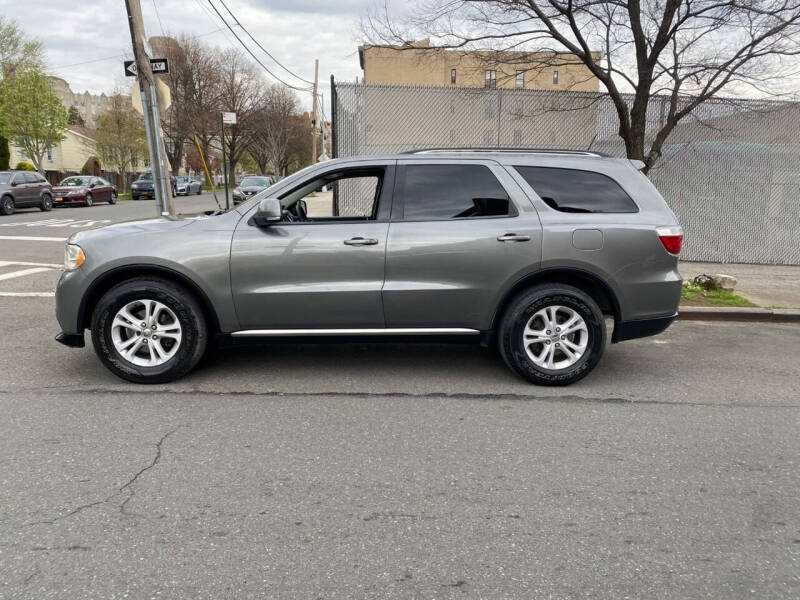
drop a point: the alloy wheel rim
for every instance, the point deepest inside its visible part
(555, 337)
(146, 333)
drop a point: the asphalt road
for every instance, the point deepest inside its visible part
(393, 471)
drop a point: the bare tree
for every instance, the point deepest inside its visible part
(686, 51)
(120, 137)
(273, 129)
(240, 92)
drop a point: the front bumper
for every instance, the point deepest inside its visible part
(65, 200)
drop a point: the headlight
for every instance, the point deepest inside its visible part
(73, 257)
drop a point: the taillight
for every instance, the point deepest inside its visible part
(671, 237)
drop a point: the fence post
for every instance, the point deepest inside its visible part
(499, 113)
(334, 135)
(334, 142)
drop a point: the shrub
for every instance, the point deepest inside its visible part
(24, 166)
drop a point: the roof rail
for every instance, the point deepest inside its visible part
(505, 150)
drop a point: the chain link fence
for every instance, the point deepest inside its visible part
(730, 171)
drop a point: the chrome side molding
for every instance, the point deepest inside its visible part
(365, 332)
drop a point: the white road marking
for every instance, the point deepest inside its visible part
(28, 238)
(72, 223)
(27, 294)
(16, 263)
(22, 273)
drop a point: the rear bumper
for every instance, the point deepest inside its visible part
(631, 330)
(73, 340)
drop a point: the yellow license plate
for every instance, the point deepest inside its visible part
(57, 199)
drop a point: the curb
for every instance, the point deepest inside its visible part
(761, 315)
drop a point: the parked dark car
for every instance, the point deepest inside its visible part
(525, 250)
(84, 190)
(143, 186)
(250, 186)
(22, 189)
(188, 185)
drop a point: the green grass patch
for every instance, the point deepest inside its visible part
(696, 295)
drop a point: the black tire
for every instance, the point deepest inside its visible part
(7, 205)
(199, 191)
(185, 306)
(89, 199)
(524, 307)
(47, 203)
(112, 199)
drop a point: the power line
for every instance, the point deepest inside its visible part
(256, 42)
(250, 52)
(158, 16)
(117, 56)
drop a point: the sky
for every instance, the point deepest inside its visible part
(86, 41)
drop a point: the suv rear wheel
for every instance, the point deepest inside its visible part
(552, 334)
(149, 330)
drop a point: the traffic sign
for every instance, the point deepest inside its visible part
(159, 66)
(229, 118)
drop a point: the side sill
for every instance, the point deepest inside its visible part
(355, 332)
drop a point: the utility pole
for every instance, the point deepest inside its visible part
(314, 119)
(152, 124)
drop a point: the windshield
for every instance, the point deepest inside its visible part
(145, 177)
(184, 179)
(255, 181)
(5, 178)
(75, 181)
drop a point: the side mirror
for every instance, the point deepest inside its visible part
(91, 185)
(269, 212)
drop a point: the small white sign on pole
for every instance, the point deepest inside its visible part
(229, 118)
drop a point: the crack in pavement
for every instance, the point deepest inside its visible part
(125, 488)
(509, 396)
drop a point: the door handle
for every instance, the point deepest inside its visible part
(513, 237)
(360, 241)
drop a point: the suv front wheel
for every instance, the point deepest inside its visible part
(552, 334)
(149, 330)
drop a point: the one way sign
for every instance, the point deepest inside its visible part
(158, 65)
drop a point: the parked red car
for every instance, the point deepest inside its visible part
(84, 189)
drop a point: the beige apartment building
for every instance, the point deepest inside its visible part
(90, 106)
(423, 65)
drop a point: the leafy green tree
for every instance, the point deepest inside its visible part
(74, 117)
(31, 115)
(17, 52)
(120, 137)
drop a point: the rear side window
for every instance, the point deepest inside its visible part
(442, 192)
(31, 178)
(572, 190)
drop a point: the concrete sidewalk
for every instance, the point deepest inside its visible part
(764, 285)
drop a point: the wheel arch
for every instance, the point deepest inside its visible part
(118, 275)
(586, 281)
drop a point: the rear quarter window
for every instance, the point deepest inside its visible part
(576, 191)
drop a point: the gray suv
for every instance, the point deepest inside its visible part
(526, 250)
(24, 189)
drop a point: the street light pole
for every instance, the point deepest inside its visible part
(147, 87)
(314, 123)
